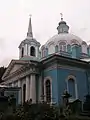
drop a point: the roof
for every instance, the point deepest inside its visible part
(67, 37)
(70, 61)
(28, 58)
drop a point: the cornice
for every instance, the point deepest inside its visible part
(56, 66)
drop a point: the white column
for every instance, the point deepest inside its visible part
(19, 95)
(36, 49)
(27, 88)
(25, 49)
(33, 88)
(19, 52)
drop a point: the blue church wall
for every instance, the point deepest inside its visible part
(80, 79)
(82, 84)
(88, 80)
(59, 84)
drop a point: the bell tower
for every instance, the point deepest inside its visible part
(30, 46)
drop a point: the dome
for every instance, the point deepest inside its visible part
(64, 37)
(65, 43)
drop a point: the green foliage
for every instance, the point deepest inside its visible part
(40, 111)
(36, 111)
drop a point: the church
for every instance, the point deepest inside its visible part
(44, 72)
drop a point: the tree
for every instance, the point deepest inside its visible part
(2, 70)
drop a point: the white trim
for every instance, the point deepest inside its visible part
(26, 49)
(74, 78)
(45, 79)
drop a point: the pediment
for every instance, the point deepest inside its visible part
(14, 66)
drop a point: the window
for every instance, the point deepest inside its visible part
(22, 52)
(48, 91)
(71, 87)
(24, 92)
(43, 52)
(32, 51)
(46, 51)
(51, 49)
(62, 46)
(56, 48)
(84, 47)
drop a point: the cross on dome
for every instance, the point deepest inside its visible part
(61, 16)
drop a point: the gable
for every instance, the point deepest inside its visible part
(14, 66)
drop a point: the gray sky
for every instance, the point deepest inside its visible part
(14, 17)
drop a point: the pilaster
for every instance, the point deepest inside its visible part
(19, 95)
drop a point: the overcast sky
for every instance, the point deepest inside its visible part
(14, 17)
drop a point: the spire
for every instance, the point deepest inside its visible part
(29, 33)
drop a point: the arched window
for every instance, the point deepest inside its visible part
(48, 91)
(22, 52)
(69, 48)
(32, 51)
(24, 92)
(62, 46)
(56, 48)
(43, 52)
(46, 51)
(84, 47)
(51, 49)
(71, 87)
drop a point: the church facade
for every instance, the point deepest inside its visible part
(43, 73)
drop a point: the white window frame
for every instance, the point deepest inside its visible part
(76, 90)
